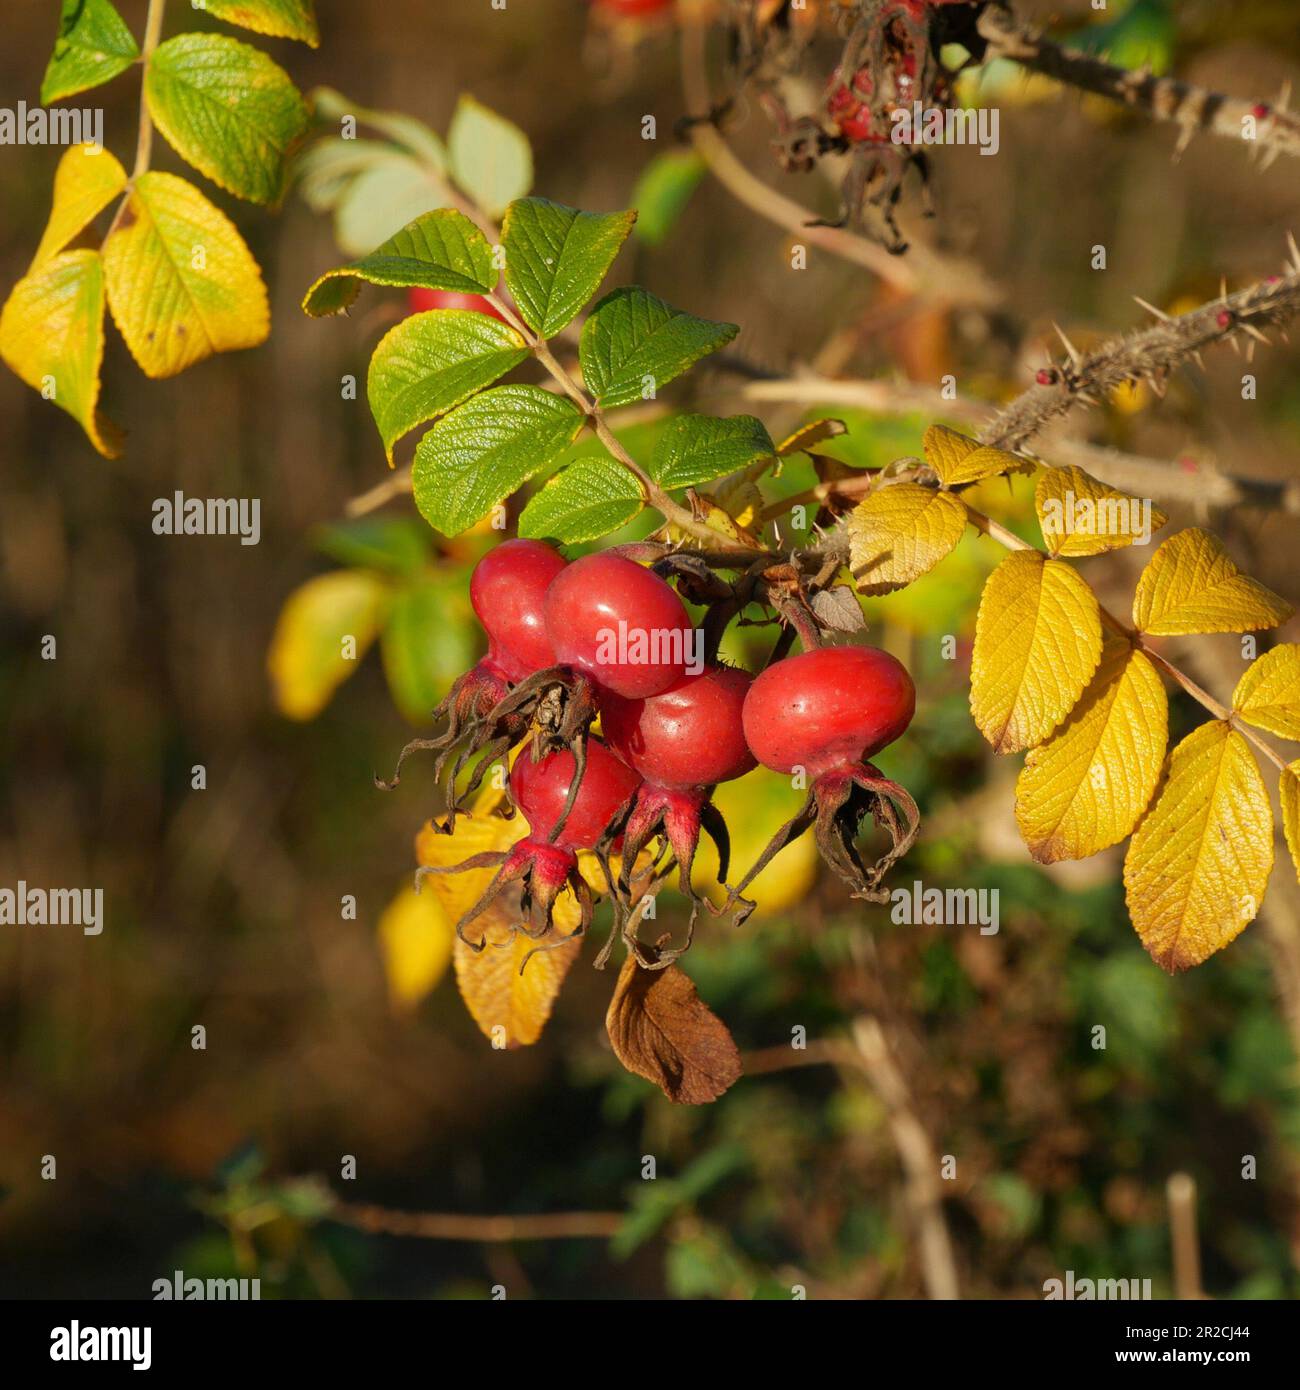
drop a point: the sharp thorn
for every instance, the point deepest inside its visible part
(1150, 308)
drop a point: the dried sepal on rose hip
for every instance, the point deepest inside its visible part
(825, 712)
(545, 861)
(506, 589)
(683, 742)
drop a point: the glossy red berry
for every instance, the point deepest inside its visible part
(541, 788)
(508, 589)
(827, 708)
(419, 300)
(688, 736)
(619, 624)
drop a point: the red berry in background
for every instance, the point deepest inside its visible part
(507, 589)
(633, 9)
(419, 300)
(826, 708)
(688, 736)
(619, 624)
(541, 788)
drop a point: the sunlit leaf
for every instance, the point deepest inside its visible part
(415, 936)
(1191, 585)
(281, 19)
(695, 449)
(87, 180)
(587, 500)
(900, 532)
(1080, 516)
(93, 46)
(1268, 695)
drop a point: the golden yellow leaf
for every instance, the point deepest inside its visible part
(87, 180)
(1290, 793)
(1037, 644)
(944, 449)
(1198, 864)
(900, 532)
(957, 459)
(1268, 695)
(1191, 585)
(477, 833)
(508, 991)
(323, 630)
(52, 336)
(1080, 516)
(415, 936)
(181, 282)
(810, 435)
(1088, 785)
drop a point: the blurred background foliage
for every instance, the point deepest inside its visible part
(329, 1037)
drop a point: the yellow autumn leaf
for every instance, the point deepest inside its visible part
(900, 532)
(810, 435)
(87, 180)
(1080, 516)
(1088, 785)
(1191, 585)
(944, 449)
(957, 459)
(510, 986)
(52, 336)
(181, 282)
(1197, 867)
(322, 633)
(415, 936)
(1290, 793)
(479, 832)
(1037, 644)
(1268, 695)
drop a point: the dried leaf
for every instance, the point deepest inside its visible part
(661, 1029)
(839, 609)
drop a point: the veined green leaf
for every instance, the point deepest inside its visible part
(491, 158)
(228, 109)
(634, 343)
(431, 362)
(556, 258)
(485, 449)
(93, 46)
(589, 499)
(280, 19)
(440, 250)
(698, 448)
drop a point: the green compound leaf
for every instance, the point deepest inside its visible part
(556, 258)
(228, 109)
(634, 343)
(480, 453)
(591, 498)
(431, 362)
(93, 46)
(696, 449)
(491, 158)
(440, 250)
(280, 19)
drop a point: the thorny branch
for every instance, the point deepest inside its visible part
(1192, 109)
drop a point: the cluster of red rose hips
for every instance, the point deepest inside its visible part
(672, 728)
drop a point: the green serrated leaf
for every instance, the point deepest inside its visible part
(485, 449)
(696, 449)
(397, 544)
(556, 258)
(431, 362)
(228, 109)
(428, 640)
(491, 158)
(634, 343)
(588, 500)
(279, 19)
(93, 46)
(440, 250)
(662, 192)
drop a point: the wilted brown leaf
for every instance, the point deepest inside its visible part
(661, 1029)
